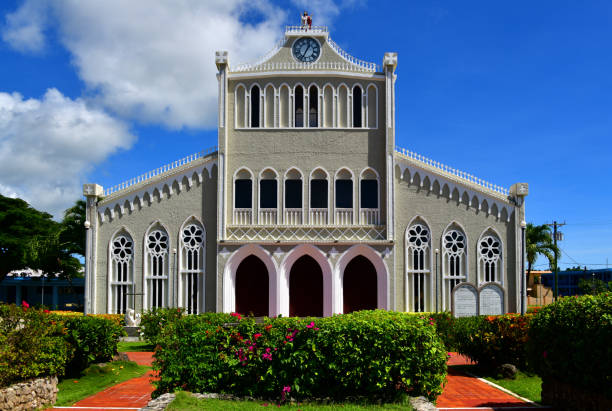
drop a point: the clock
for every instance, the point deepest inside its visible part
(306, 49)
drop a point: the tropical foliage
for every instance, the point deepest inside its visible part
(378, 355)
(539, 242)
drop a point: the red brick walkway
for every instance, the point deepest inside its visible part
(128, 395)
(462, 392)
(466, 393)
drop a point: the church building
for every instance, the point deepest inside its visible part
(305, 208)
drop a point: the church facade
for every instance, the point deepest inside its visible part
(305, 207)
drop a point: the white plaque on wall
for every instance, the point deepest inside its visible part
(491, 299)
(465, 300)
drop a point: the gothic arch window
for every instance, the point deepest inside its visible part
(357, 106)
(268, 196)
(293, 197)
(240, 112)
(243, 197)
(328, 106)
(298, 98)
(343, 194)
(490, 259)
(319, 197)
(342, 106)
(255, 106)
(313, 106)
(156, 268)
(418, 263)
(372, 109)
(369, 197)
(269, 105)
(284, 109)
(122, 273)
(191, 267)
(454, 264)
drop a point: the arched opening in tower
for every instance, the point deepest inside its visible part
(252, 287)
(306, 288)
(359, 285)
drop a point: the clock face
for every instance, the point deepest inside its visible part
(306, 49)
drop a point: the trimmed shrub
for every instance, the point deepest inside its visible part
(493, 340)
(93, 340)
(380, 355)
(32, 344)
(570, 341)
(153, 321)
(118, 319)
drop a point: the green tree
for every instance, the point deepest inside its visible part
(539, 242)
(31, 239)
(73, 228)
(593, 286)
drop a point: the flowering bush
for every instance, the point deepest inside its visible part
(32, 344)
(118, 319)
(493, 340)
(571, 341)
(375, 354)
(153, 321)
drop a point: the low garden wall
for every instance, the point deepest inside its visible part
(29, 395)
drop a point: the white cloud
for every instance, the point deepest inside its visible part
(24, 28)
(153, 61)
(47, 146)
(324, 12)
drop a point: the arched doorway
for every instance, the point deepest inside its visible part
(306, 288)
(252, 287)
(359, 285)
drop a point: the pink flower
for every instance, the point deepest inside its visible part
(311, 325)
(46, 311)
(25, 304)
(251, 348)
(237, 315)
(286, 388)
(256, 336)
(545, 354)
(268, 349)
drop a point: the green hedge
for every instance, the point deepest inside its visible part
(571, 341)
(375, 354)
(93, 340)
(493, 340)
(36, 343)
(154, 320)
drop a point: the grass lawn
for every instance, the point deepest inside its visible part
(526, 384)
(138, 346)
(95, 379)
(185, 402)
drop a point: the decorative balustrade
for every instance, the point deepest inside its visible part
(306, 30)
(469, 178)
(294, 65)
(343, 216)
(364, 65)
(293, 216)
(267, 216)
(369, 216)
(160, 170)
(243, 216)
(318, 216)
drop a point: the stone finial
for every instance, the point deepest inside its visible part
(221, 58)
(93, 190)
(519, 189)
(390, 60)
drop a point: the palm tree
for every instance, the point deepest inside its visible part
(539, 242)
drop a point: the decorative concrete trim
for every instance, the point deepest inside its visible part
(160, 403)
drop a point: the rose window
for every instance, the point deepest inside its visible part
(418, 236)
(122, 249)
(454, 242)
(490, 248)
(193, 237)
(158, 243)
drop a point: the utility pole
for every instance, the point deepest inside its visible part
(557, 235)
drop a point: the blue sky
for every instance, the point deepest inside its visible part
(513, 91)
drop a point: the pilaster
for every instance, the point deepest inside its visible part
(91, 193)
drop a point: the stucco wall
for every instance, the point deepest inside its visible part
(198, 201)
(438, 212)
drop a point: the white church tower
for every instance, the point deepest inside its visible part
(306, 207)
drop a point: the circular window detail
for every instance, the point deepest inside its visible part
(490, 248)
(158, 243)
(454, 242)
(122, 249)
